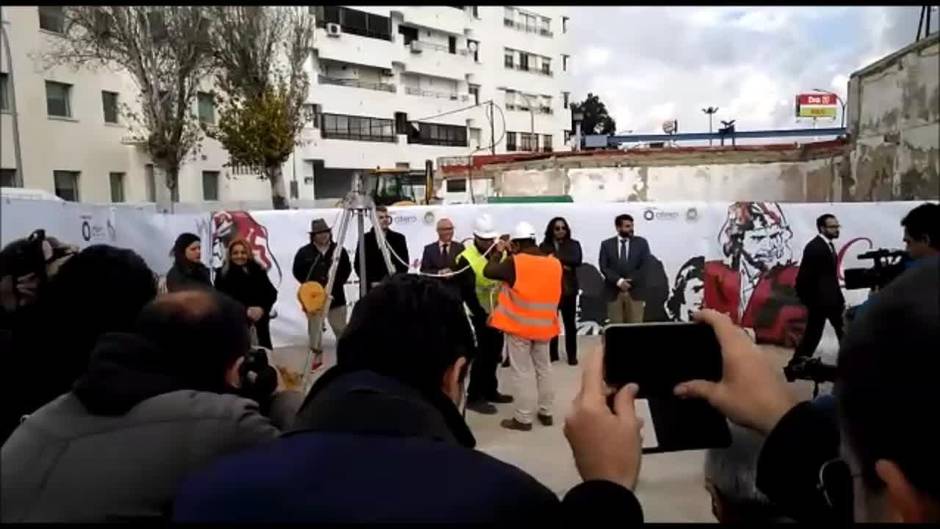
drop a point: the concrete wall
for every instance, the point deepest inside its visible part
(894, 120)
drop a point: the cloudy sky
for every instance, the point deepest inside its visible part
(649, 64)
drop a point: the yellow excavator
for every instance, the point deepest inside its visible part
(401, 186)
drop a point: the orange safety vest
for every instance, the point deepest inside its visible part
(529, 309)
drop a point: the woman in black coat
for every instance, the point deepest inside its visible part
(245, 280)
(187, 272)
(558, 242)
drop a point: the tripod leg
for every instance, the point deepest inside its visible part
(381, 241)
(363, 282)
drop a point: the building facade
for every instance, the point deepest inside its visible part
(391, 86)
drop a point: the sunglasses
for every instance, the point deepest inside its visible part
(560, 228)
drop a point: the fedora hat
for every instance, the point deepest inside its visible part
(318, 226)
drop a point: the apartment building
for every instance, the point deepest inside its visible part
(391, 86)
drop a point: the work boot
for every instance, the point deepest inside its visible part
(499, 398)
(572, 361)
(513, 424)
(546, 420)
(482, 407)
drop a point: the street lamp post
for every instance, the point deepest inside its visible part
(711, 112)
(18, 157)
(839, 99)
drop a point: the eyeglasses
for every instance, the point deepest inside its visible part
(560, 228)
(836, 485)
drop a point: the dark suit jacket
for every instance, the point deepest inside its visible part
(569, 253)
(431, 261)
(375, 265)
(614, 270)
(817, 282)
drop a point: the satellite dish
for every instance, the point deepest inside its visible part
(472, 46)
(670, 126)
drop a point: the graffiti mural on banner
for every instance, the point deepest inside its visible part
(230, 225)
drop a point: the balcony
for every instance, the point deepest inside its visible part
(433, 59)
(438, 95)
(419, 46)
(351, 48)
(355, 83)
(509, 23)
(524, 68)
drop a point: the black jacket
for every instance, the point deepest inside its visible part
(249, 285)
(371, 449)
(569, 253)
(191, 276)
(817, 282)
(613, 270)
(375, 264)
(431, 260)
(308, 256)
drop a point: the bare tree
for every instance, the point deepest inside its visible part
(260, 53)
(165, 49)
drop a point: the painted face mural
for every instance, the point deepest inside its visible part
(688, 292)
(230, 225)
(755, 281)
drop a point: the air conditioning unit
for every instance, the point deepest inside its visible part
(333, 29)
(415, 46)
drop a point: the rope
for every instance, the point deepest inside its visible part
(438, 275)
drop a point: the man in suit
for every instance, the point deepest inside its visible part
(439, 256)
(376, 270)
(817, 285)
(621, 260)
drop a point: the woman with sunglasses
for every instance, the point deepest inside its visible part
(558, 242)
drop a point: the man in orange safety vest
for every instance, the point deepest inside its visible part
(527, 313)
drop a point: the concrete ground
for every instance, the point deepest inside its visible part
(670, 486)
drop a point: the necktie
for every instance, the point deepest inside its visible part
(623, 250)
(444, 252)
(832, 247)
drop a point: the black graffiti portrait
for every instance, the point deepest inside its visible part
(688, 291)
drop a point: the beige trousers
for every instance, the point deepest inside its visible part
(526, 356)
(315, 326)
(625, 309)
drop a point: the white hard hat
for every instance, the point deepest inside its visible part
(523, 230)
(483, 227)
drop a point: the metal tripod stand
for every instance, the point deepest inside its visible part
(360, 205)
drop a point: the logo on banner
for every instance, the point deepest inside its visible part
(405, 220)
(92, 230)
(658, 214)
(691, 215)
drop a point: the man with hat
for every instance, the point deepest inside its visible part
(312, 264)
(527, 313)
(479, 294)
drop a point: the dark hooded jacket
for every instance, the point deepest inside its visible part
(369, 448)
(118, 445)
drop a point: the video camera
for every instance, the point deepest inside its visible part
(812, 369)
(888, 264)
(258, 378)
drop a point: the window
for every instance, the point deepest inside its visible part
(452, 45)
(475, 94)
(546, 66)
(8, 178)
(564, 62)
(109, 101)
(510, 141)
(509, 16)
(52, 18)
(510, 100)
(545, 27)
(564, 24)
(442, 135)
(457, 185)
(117, 187)
(151, 182)
(547, 142)
(565, 96)
(206, 107)
(408, 34)
(476, 11)
(57, 99)
(524, 61)
(66, 185)
(567, 137)
(356, 22)
(529, 22)
(474, 47)
(509, 58)
(343, 127)
(526, 142)
(4, 98)
(210, 185)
